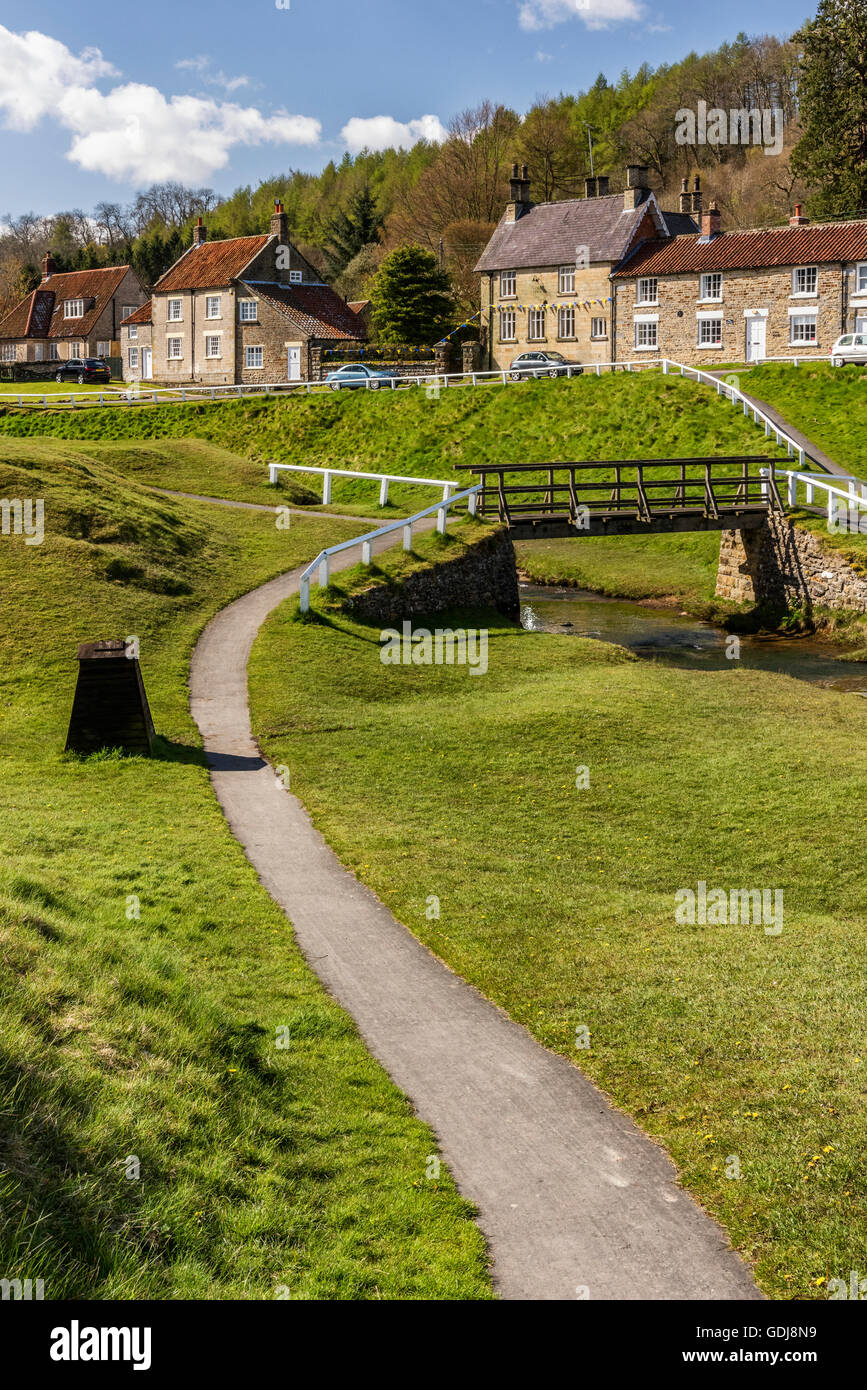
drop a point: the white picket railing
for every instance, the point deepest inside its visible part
(384, 479)
(852, 491)
(737, 397)
(321, 563)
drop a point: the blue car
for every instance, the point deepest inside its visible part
(355, 376)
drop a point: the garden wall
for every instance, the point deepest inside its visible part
(485, 576)
(785, 566)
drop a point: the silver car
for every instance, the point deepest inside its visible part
(537, 364)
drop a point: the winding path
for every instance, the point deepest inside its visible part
(570, 1194)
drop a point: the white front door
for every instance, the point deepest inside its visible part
(147, 370)
(294, 366)
(757, 333)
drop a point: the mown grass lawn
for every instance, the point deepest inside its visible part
(637, 567)
(642, 415)
(829, 404)
(144, 973)
(740, 1051)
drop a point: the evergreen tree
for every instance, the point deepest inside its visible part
(410, 298)
(832, 152)
(351, 229)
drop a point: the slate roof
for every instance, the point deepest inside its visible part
(317, 309)
(40, 313)
(142, 315)
(549, 233)
(211, 265)
(761, 248)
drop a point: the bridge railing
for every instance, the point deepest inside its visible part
(321, 565)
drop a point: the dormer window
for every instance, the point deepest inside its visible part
(295, 277)
(73, 309)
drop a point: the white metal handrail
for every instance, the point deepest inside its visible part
(854, 494)
(384, 479)
(737, 397)
(321, 562)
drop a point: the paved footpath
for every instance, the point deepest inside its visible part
(570, 1194)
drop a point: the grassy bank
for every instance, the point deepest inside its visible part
(829, 404)
(145, 974)
(681, 568)
(742, 1052)
(625, 415)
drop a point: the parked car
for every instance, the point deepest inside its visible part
(542, 364)
(355, 376)
(852, 347)
(86, 371)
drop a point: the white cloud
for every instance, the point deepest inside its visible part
(382, 132)
(202, 65)
(34, 69)
(595, 14)
(543, 57)
(132, 132)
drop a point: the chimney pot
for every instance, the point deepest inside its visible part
(589, 188)
(637, 186)
(602, 186)
(519, 193)
(696, 195)
(799, 220)
(279, 223)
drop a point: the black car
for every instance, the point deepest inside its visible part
(542, 364)
(87, 371)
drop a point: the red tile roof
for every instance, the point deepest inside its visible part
(761, 248)
(211, 265)
(317, 310)
(40, 313)
(142, 315)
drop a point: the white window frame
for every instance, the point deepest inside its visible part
(254, 366)
(508, 284)
(647, 328)
(703, 323)
(211, 338)
(537, 327)
(103, 343)
(210, 312)
(595, 334)
(53, 352)
(75, 350)
(295, 277)
(73, 309)
(38, 352)
(127, 310)
(8, 352)
(566, 279)
(133, 359)
(175, 311)
(510, 317)
(171, 354)
(809, 274)
(245, 305)
(641, 295)
(132, 330)
(803, 318)
(706, 284)
(861, 277)
(567, 312)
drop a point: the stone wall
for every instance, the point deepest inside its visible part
(485, 576)
(783, 566)
(542, 286)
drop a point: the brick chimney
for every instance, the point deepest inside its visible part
(49, 266)
(200, 233)
(602, 186)
(799, 220)
(685, 198)
(637, 186)
(696, 196)
(280, 223)
(710, 222)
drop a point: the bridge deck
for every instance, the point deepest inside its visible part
(629, 496)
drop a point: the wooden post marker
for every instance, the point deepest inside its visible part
(110, 709)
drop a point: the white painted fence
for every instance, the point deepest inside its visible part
(737, 397)
(852, 491)
(384, 479)
(321, 565)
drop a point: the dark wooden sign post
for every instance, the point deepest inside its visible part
(110, 709)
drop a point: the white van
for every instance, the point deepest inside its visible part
(852, 347)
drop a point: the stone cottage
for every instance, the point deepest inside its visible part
(247, 310)
(742, 296)
(545, 273)
(74, 313)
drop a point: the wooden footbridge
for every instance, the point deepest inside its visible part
(625, 497)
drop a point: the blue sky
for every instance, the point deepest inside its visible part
(98, 100)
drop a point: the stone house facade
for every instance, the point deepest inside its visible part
(722, 297)
(75, 313)
(242, 311)
(545, 274)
